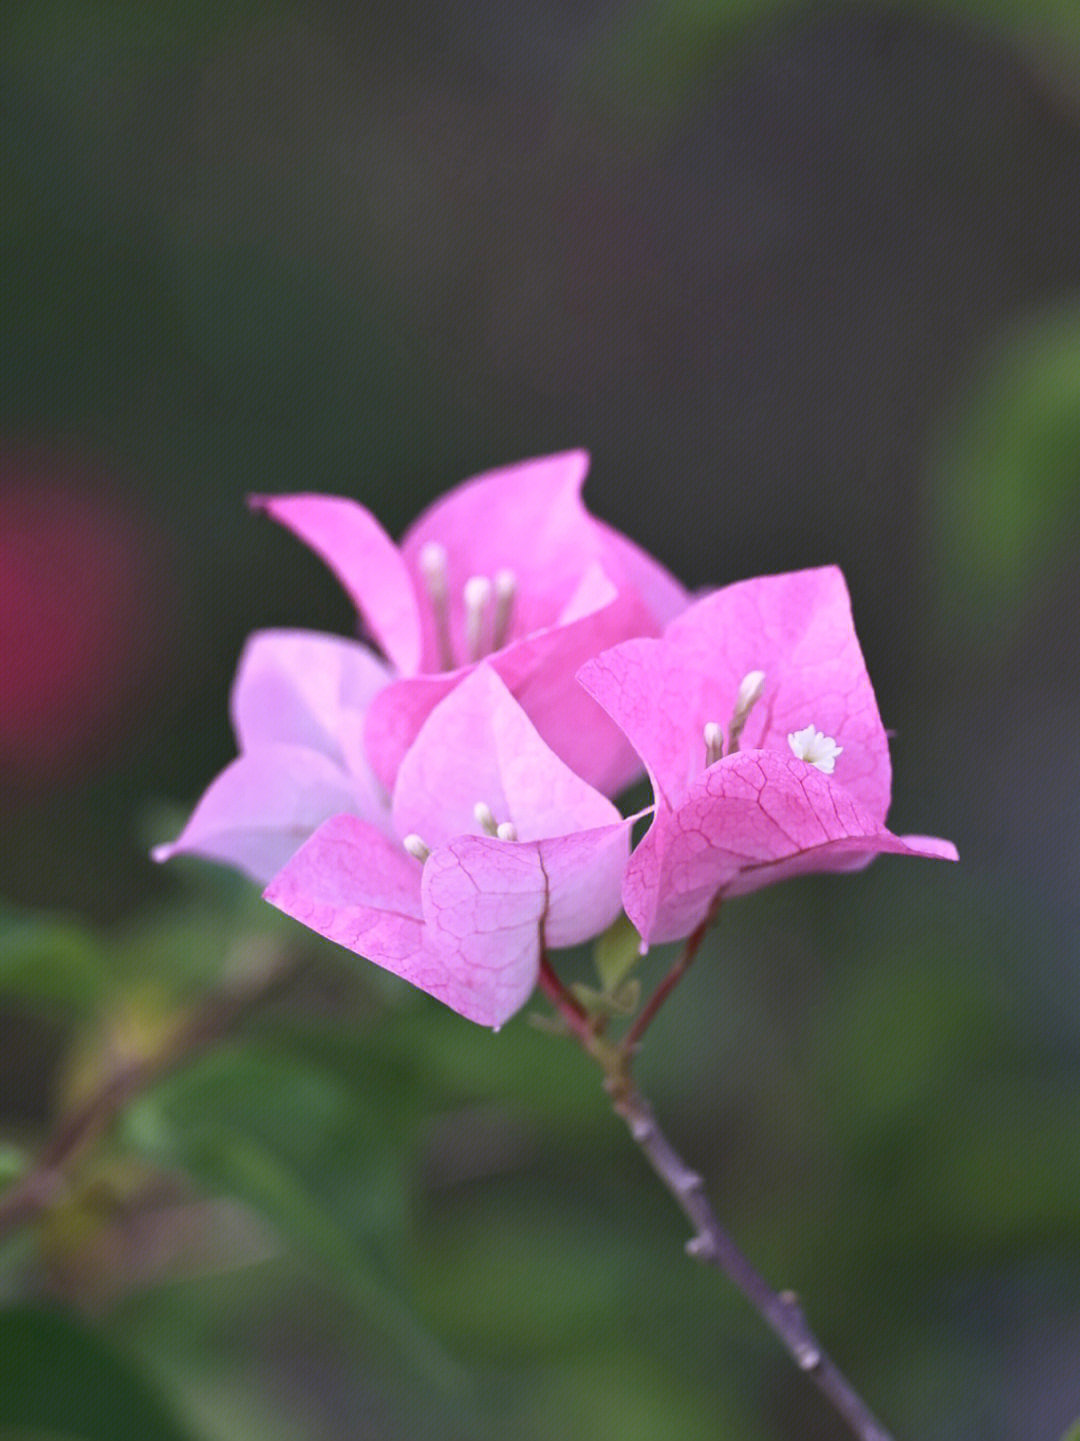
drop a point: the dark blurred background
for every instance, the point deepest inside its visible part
(805, 280)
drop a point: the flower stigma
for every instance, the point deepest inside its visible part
(507, 831)
(816, 748)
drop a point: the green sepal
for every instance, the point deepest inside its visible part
(616, 953)
(622, 1003)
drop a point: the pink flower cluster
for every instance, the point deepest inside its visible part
(445, 809)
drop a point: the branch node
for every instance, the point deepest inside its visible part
(688, 1183)
(701, 1248)
(807, 1358)
(641, 1128)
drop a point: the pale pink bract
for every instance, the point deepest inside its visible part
(461, 913)
(297, 705)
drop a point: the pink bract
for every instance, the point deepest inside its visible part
(760, 813)
(467, 922)
(578, 587)
(298, 706)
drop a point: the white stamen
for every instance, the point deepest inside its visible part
(485, 818)
(505, 591)
(751, 689)
(507, 831)
(477, 596)
(714, 743)
(817, 749)
(416, 847)
(433, 567)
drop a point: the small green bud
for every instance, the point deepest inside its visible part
(616, 953)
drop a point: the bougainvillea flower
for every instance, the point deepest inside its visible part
(756, 720)
(297, 706)
(511, 567)
(497, 850)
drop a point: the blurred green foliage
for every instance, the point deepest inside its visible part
(453, 1225)
(60, 1379)
(1008, 493)
(665, 51)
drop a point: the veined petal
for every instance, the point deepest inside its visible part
(263, 806)
(797, 629)
(484, 902)
(395, 716)
(479, 745)
(632, 568)
(594, 590)
(366, 562)
(360, 889)
(750, 820)
(652, 696)
(527, 518)
(304, 688)
(584, 875)
(493, 905)
(539, 671)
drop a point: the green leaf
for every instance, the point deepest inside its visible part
(60, 1379)
(616, 953)
(1073, 1433)
(47, 961)
(318, 1158)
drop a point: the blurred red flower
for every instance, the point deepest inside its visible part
(82, 588)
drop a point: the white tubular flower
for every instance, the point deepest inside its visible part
(816, 748)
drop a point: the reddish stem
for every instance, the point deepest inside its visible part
(568, 1007)
(683, 962)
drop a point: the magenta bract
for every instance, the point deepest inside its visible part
(510, 567)
(802, 779)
